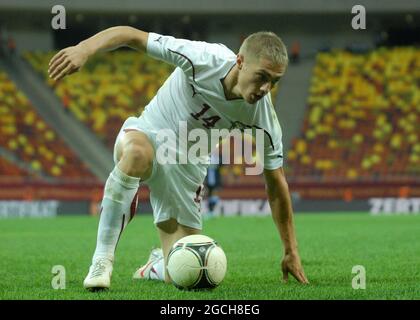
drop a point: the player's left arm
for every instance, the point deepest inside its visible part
(281, 207)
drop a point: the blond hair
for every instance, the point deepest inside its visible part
(265, 44)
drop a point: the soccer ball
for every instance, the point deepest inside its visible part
(196, 262)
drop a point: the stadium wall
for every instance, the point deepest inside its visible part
(225, 207)
(314, 32)
(214, 6)
(33, 40)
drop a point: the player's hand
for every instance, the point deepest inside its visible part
(291, 264)
(67, 61)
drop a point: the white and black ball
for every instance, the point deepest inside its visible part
(196, 262)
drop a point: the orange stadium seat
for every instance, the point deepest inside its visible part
(23, 132)
(109, 89)
(9, 169)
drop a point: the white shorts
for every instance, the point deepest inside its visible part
(175, 189)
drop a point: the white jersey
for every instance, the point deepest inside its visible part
(194, 93)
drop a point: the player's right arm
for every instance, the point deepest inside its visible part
(71, 59)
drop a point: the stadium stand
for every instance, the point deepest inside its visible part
(109, 89)
(362, 118)
(30, 139)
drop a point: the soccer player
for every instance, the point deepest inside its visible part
(211, 88)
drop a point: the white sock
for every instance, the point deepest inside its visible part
(158, 271)
(117, 209)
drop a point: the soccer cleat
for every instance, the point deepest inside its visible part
(144, 272)
(99, 276)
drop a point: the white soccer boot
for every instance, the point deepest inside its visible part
(99, 276)
(144, 272)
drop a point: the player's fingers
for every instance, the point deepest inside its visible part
(295, 273)
(73, 70)
(56, 56)
(304, 278)
(56, 63)
(299, 276)
(60, 68)
(64, 72)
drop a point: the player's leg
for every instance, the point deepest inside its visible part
(134, 155)
(176, 193)
(170, 231)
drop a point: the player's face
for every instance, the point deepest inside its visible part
(257, 78)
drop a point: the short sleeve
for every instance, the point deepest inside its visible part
(188, 55)
(273, 146)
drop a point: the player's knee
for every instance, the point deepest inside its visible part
(139, 159)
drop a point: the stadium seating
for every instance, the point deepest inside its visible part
(111, 87)
(362, 121)
(24, 133)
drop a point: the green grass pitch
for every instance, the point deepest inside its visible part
(330, 245)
